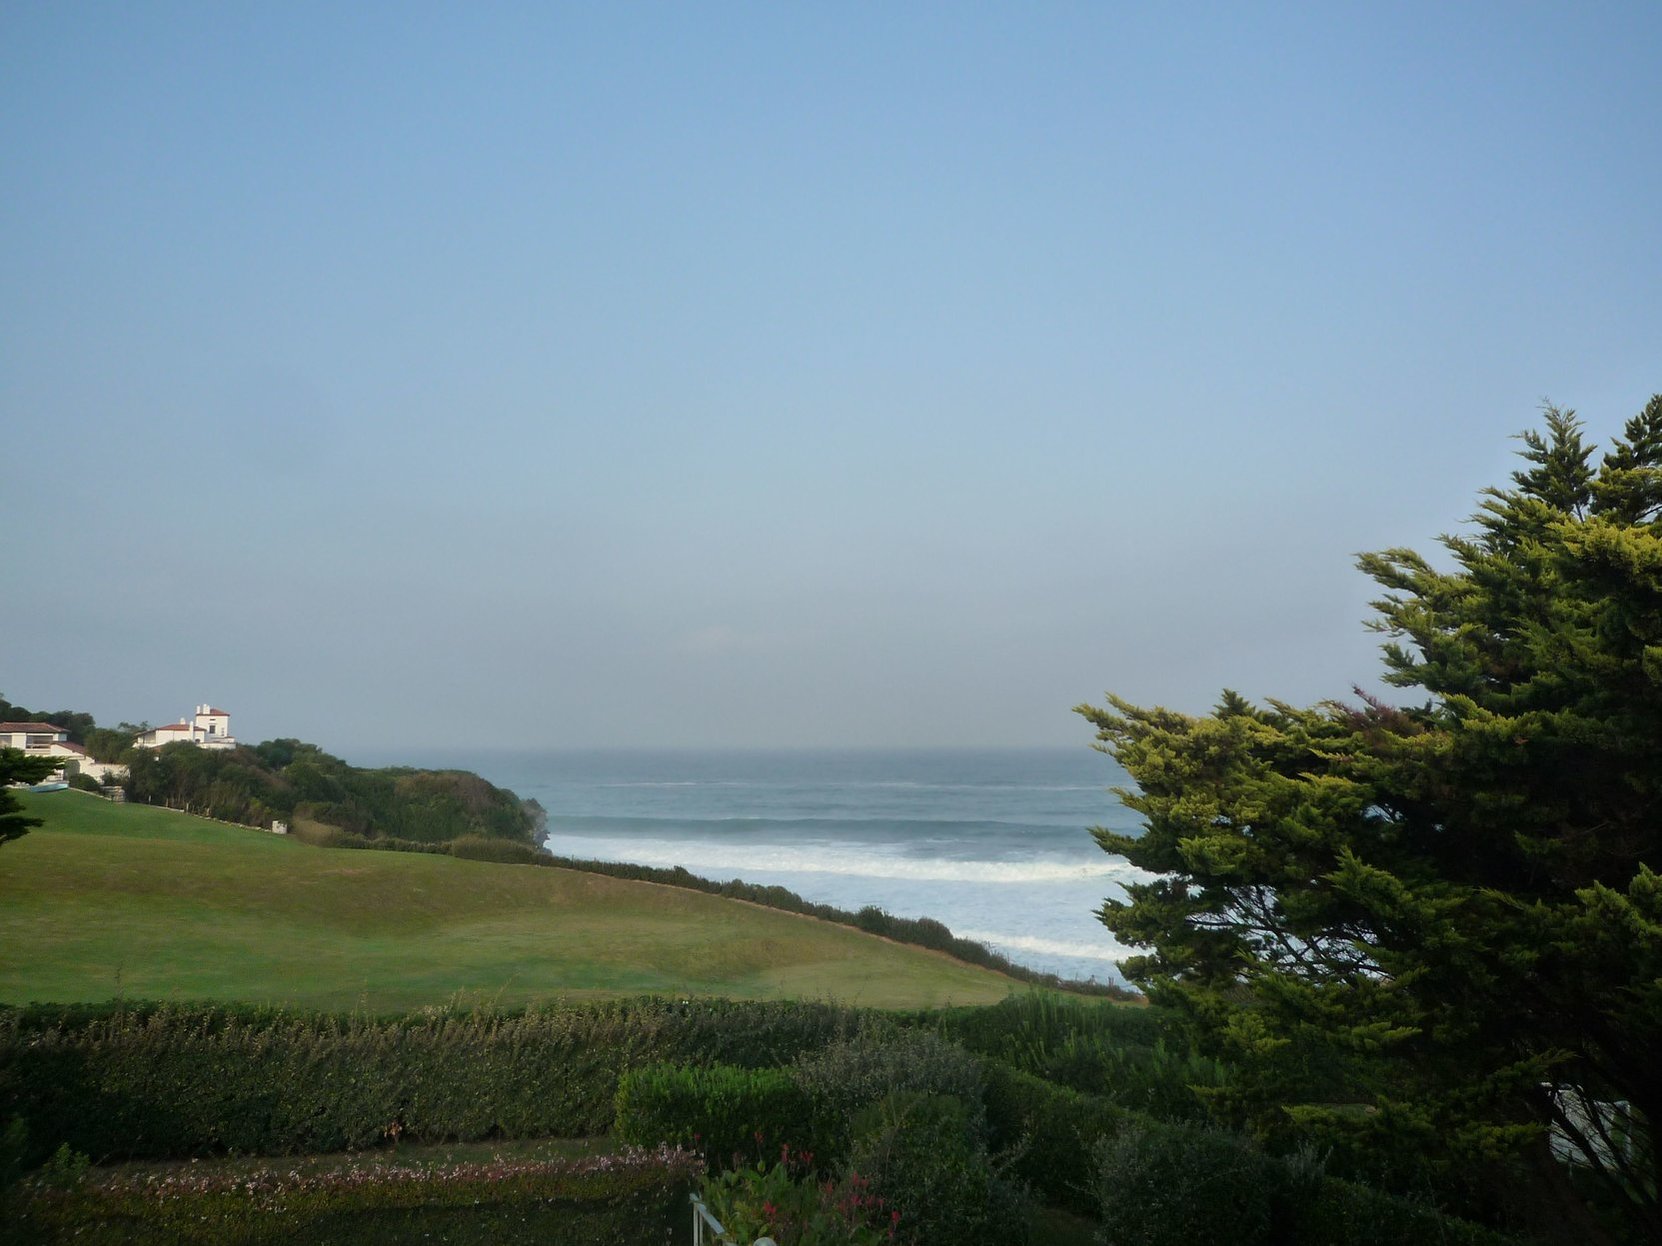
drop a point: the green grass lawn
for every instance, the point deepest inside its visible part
(108, 899)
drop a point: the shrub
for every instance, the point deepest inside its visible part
(879, 1061)
(923, 1155)
(1036, 1020)
(1130, 1055)
(503, 851)
(1050, 1132)
(788, 1202)
(720, 1110)
(159, 1081)
(322, 835)
(1161, 1184)
(600, 1199)
(14, 1144)
(1344, 1213)
(1172, 1185)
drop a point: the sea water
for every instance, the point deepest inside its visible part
(995, 844)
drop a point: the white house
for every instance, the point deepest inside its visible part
(50, 740)
(207, 728)
(31, 737)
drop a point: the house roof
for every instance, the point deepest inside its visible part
(173, 727)
(72, 748)
(34, 727)
(212, 710)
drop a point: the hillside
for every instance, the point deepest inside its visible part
(304, 786)
(108, 899)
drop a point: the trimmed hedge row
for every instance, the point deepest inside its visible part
(601, 1199)
(724, 1112)
(188, 1080)
(730, 1112)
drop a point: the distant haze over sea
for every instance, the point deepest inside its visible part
(994, 843)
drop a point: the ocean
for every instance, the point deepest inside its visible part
(992, 843)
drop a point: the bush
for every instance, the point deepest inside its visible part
(720, 1111)
(1133, 1056)
(923, 1156)
(1163, 1184)
(880, 1061)
(1172, 1185)
(789, 1203)
(1036, 1021)
(502, 851)
(14, 1145)
(1050, 1132)
(1344, 1213)
(636, 1196)
(149, 1081)
(321, 835)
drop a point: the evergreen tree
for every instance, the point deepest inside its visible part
(1430, 935)
(16, 766)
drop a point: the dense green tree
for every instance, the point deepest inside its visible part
(16, 766)
(1429, 935)
(290, 779)
(75, 723)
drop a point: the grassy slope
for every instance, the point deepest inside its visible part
(112, 899)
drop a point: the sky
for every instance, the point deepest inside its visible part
(755, 375)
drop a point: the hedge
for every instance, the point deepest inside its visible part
(1162, 1184)
(1052, 1131)
(161, 1081)
(732, 1115)
(636, 1196)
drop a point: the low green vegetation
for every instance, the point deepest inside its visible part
(576, 1194)
(298, 782)
(108, 899)
(814, 1123)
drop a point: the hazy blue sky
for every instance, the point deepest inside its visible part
(781, 374)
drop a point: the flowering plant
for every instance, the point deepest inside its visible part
(788, 1202)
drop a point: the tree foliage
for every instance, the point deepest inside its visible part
(16, 766)
(110, 744)
(290, 779)
(1430, 934)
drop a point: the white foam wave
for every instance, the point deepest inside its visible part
(1107, 950)
(728, 861)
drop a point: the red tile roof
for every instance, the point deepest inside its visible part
(212, 710)
(33, 727)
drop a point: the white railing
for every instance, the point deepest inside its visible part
(703, 1220)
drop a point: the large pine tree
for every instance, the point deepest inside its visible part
(1431, 936)
(16, 766)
